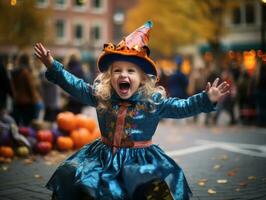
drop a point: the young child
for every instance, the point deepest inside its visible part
(124, 164)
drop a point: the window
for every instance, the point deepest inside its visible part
(236, 15)
(42, 3)
(60, 2)
(78, 31)
(80, 2)
(60, 29)
(250, 13)
(97, 4)
(96, 32)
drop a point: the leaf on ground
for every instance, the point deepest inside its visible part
(252, 178)
(38, 176)
(216, 167)
(202, 182)
(222, 181)
(224, 157)
(232, 172)
(243, 184)
(211, 191)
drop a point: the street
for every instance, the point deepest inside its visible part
(220, 163)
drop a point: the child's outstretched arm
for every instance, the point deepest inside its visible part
(202, 102)
(43, 55)
(56, 73)
(216, 91)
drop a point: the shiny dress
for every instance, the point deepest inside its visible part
(97, 171)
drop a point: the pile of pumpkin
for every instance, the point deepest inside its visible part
(71, 132)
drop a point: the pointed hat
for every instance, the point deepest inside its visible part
(132, 48)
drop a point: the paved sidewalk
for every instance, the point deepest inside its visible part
(220, 164)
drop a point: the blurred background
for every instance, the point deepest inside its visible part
(192, 42)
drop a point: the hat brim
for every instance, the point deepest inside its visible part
(146, 64)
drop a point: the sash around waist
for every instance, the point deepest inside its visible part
(128, 144)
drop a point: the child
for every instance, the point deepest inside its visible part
(124, 164)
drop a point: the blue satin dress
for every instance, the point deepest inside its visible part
(96, 171)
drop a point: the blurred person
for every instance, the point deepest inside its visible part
(124, 164)
(178, 83)
(27, 98)
(260, 94)
(227, 103)
(51, 95)
(197, 81)
(211, 75)
(74, 66)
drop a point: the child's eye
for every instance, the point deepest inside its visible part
(131, 70)
(117, 70)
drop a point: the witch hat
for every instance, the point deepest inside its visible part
(132, 48)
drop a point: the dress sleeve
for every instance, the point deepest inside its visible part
(76, 87)
(181, 108)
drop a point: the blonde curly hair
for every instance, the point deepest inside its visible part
(103, 89)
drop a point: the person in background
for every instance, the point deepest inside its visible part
(27, 98)
(178, 83)
(74, 66)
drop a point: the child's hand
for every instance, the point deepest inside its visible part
(215, 91)
(43, 55)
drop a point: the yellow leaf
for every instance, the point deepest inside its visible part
(211, 191)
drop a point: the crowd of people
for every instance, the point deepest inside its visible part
(35, 98)
(246, 103)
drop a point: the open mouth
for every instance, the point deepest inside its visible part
(124, 87)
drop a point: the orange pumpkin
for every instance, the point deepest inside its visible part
(96, 134)
(80, 137)
(6, 152)
(45, 135)
(64, 143)
(66, 121)
(85, 122)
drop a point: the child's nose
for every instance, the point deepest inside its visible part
(123, 73)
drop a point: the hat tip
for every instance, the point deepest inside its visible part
(149, 24)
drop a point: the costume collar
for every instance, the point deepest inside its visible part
(115, 99)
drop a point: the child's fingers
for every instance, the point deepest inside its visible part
(222, 85)
(42, 48)
(37, 50)
(208, 86)
(215, 83)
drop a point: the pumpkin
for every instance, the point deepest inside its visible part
(45, 135)
(66, 121)
(24, 131)
(96, 134)
(43, 147)
(6, 152)
(85, 122)
(64, 143)
(23, 151)
(80, 137)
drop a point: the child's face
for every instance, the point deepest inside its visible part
(125, 78)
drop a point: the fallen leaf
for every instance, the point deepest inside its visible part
(243, 184)
(232, 173)
(216, 167)
(237, 189)
(211, 191)
(222, 181)
(252, 178)
(38, 176)
(201, 183)
(5, 168)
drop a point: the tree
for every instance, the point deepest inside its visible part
(179, 22)
(22, 24)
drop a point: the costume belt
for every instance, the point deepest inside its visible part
(128, 144)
